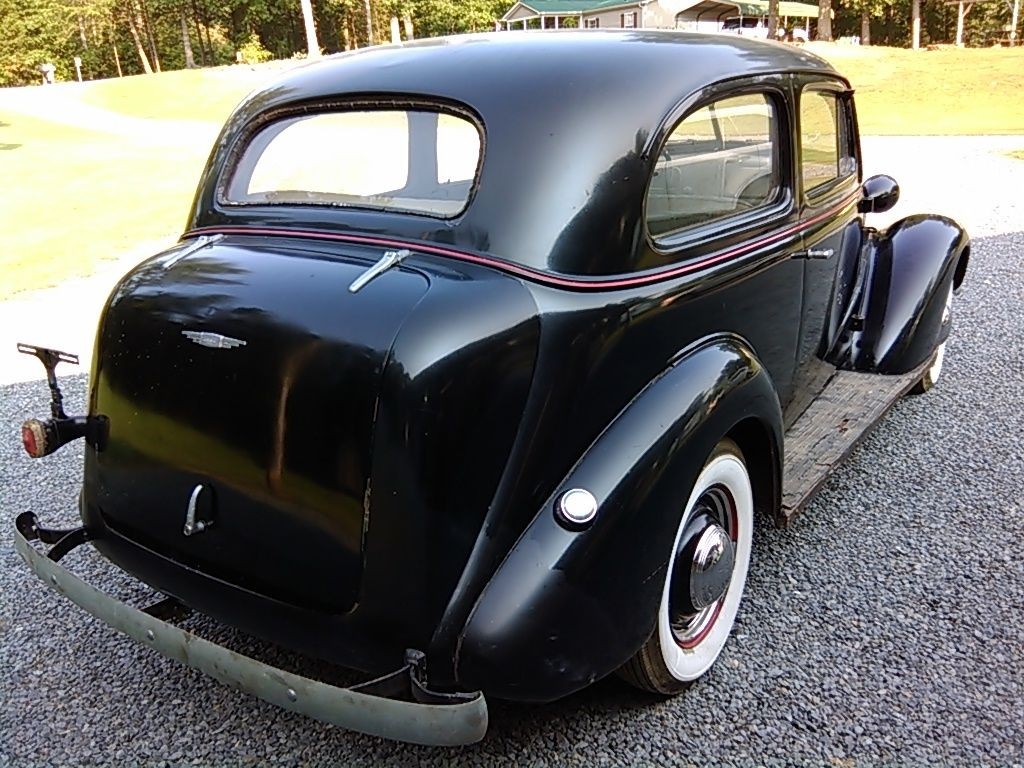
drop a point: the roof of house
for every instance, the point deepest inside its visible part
(571, 7)
(758, 7)
(745, 7)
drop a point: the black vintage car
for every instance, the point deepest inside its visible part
(479, 356)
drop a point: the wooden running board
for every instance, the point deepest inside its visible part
(846, 410)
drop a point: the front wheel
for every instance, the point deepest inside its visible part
(705, 578)
(931, 375)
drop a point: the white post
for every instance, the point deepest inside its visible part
(960, 24)
(312, 44)
(556, 22)
(524, 24)
(78, 67)
(396, 35)
(915, 24)
(1014, 20)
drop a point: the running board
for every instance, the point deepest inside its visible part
(846, 410)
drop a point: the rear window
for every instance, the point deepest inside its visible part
(411, 160)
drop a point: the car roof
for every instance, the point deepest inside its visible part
(462, 66)
(565, 113)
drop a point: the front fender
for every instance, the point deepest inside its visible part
(911, 267)
(565, 608)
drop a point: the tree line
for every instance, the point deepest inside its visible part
(126, 37)
(916, 23)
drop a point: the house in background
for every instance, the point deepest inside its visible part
(694, 15)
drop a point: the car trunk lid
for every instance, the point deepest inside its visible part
(241, 385)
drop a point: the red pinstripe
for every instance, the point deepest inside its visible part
(526, 272)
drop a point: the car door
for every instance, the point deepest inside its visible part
(828, 181)
(722, 194)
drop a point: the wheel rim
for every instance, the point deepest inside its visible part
(691, 641)
(716, 508)
(935, 369)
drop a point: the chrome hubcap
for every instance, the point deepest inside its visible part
(711, 570)
(703, 567)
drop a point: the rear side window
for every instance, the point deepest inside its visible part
(718, 161)
(417, 161)
(824, 147)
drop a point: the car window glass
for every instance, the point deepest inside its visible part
(458, 149)
(717, 162)
(822, 155)
(408, 160)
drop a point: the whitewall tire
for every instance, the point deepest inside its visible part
(695, 619)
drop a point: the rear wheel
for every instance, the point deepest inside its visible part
(705, 578)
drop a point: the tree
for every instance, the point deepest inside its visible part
(186, 43)
(773, 19)
(33, 34)
(915, 24)
(825, 19)
(857, 15)
(137, 27)
(450, 17)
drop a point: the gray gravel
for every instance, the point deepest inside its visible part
(885, 627)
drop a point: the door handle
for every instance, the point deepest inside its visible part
(815, 253)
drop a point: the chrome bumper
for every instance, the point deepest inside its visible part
(365, 708)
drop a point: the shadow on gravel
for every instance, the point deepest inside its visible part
(875, 630)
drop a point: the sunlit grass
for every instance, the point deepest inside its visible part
(196, 94)
(969, 91)
(950, 91)
(74, 198)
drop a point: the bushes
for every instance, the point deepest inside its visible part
(252, 51)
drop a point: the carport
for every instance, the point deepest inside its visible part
(708, 15)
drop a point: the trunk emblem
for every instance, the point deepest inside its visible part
(212, 340)
(192, 524)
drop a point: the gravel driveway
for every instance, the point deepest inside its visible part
(885, 627)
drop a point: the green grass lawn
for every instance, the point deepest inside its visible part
(899, 92)
(196, 94)
(82, 197)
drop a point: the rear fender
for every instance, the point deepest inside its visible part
(566, 607)
(910, 268)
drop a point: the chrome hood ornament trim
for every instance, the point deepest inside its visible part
(386, 262)
(212, 340)
(197, 245)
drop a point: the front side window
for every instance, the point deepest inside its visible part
(628, 20)
(823, 154)
(718, 161)
(413, 160)
(594, 23)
